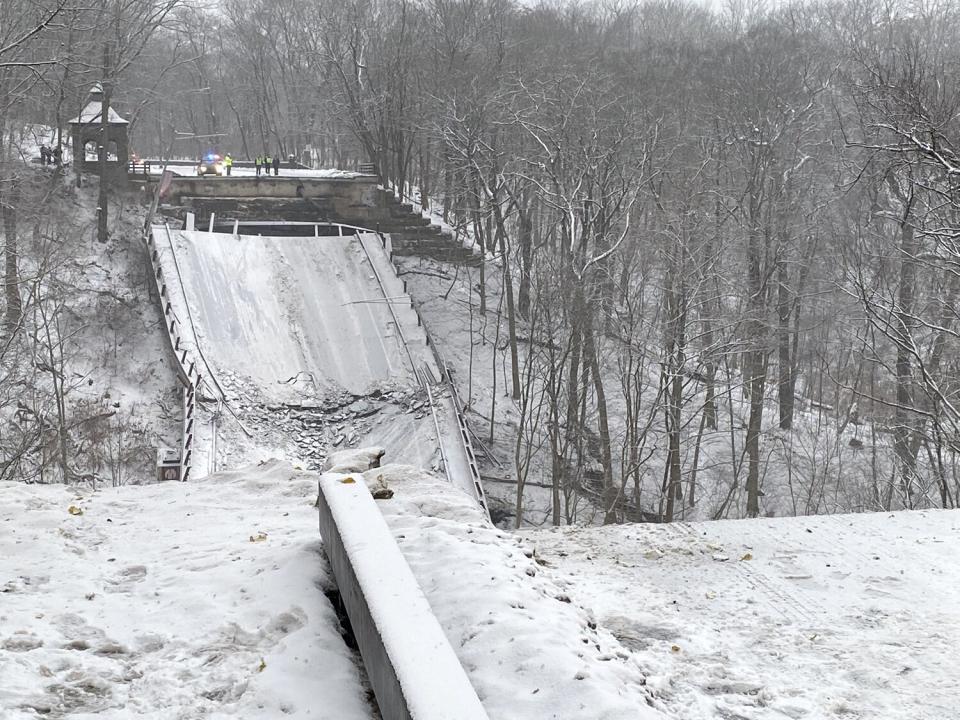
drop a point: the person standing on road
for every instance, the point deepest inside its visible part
(276, 165)
(228, 163)
(258, 163)
(267, 161)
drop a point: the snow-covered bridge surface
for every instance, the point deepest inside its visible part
(844, 616)
(303, 322)
(296, 315)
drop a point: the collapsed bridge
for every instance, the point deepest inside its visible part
(264, 322)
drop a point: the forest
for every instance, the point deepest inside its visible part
(721, 243)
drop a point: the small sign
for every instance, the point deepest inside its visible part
(168, 464)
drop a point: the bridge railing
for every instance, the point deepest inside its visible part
(187, 370)
(460, 414)
(139, 168)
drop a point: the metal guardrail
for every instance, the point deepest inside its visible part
(187, 370)
(464, 430)
(468, 444)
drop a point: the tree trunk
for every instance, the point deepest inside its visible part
(785, 385)
(675, 352)
(526, 255)
(511, 312)
(903, 430)
(611, 494)
(478, 234)
(103, 198)
(755, 365)
(9, 199)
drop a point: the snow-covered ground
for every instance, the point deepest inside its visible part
(530, 652)
(171, 601)
(206, 600)
(842, 616)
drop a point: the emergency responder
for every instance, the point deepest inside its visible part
(267, 162)
(228, 163)
(276, 164)
(259, 164)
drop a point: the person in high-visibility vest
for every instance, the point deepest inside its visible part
(228, 163)
(267, 162)
(258, 162)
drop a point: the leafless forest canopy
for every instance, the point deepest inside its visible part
(723, 246)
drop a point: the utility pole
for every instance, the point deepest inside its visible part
(106, 86)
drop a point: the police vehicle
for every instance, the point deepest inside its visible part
(211, 165)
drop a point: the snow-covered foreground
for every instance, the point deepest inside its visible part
(171, 601)
(849, 616)
(206, 599)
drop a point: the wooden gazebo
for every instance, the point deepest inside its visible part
(86, 130)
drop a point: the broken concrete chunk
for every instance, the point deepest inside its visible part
(358, 460)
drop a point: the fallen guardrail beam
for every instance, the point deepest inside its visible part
(412, 668)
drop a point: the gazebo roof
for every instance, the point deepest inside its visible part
(91, 114)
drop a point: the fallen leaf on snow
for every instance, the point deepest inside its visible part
(74, 510)
(748, 556)
(259, 537)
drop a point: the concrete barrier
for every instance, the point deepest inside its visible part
(411, 666)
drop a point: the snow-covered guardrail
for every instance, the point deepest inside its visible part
(466, 452)
(459, 413)
(412, 668)
(186, 369)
